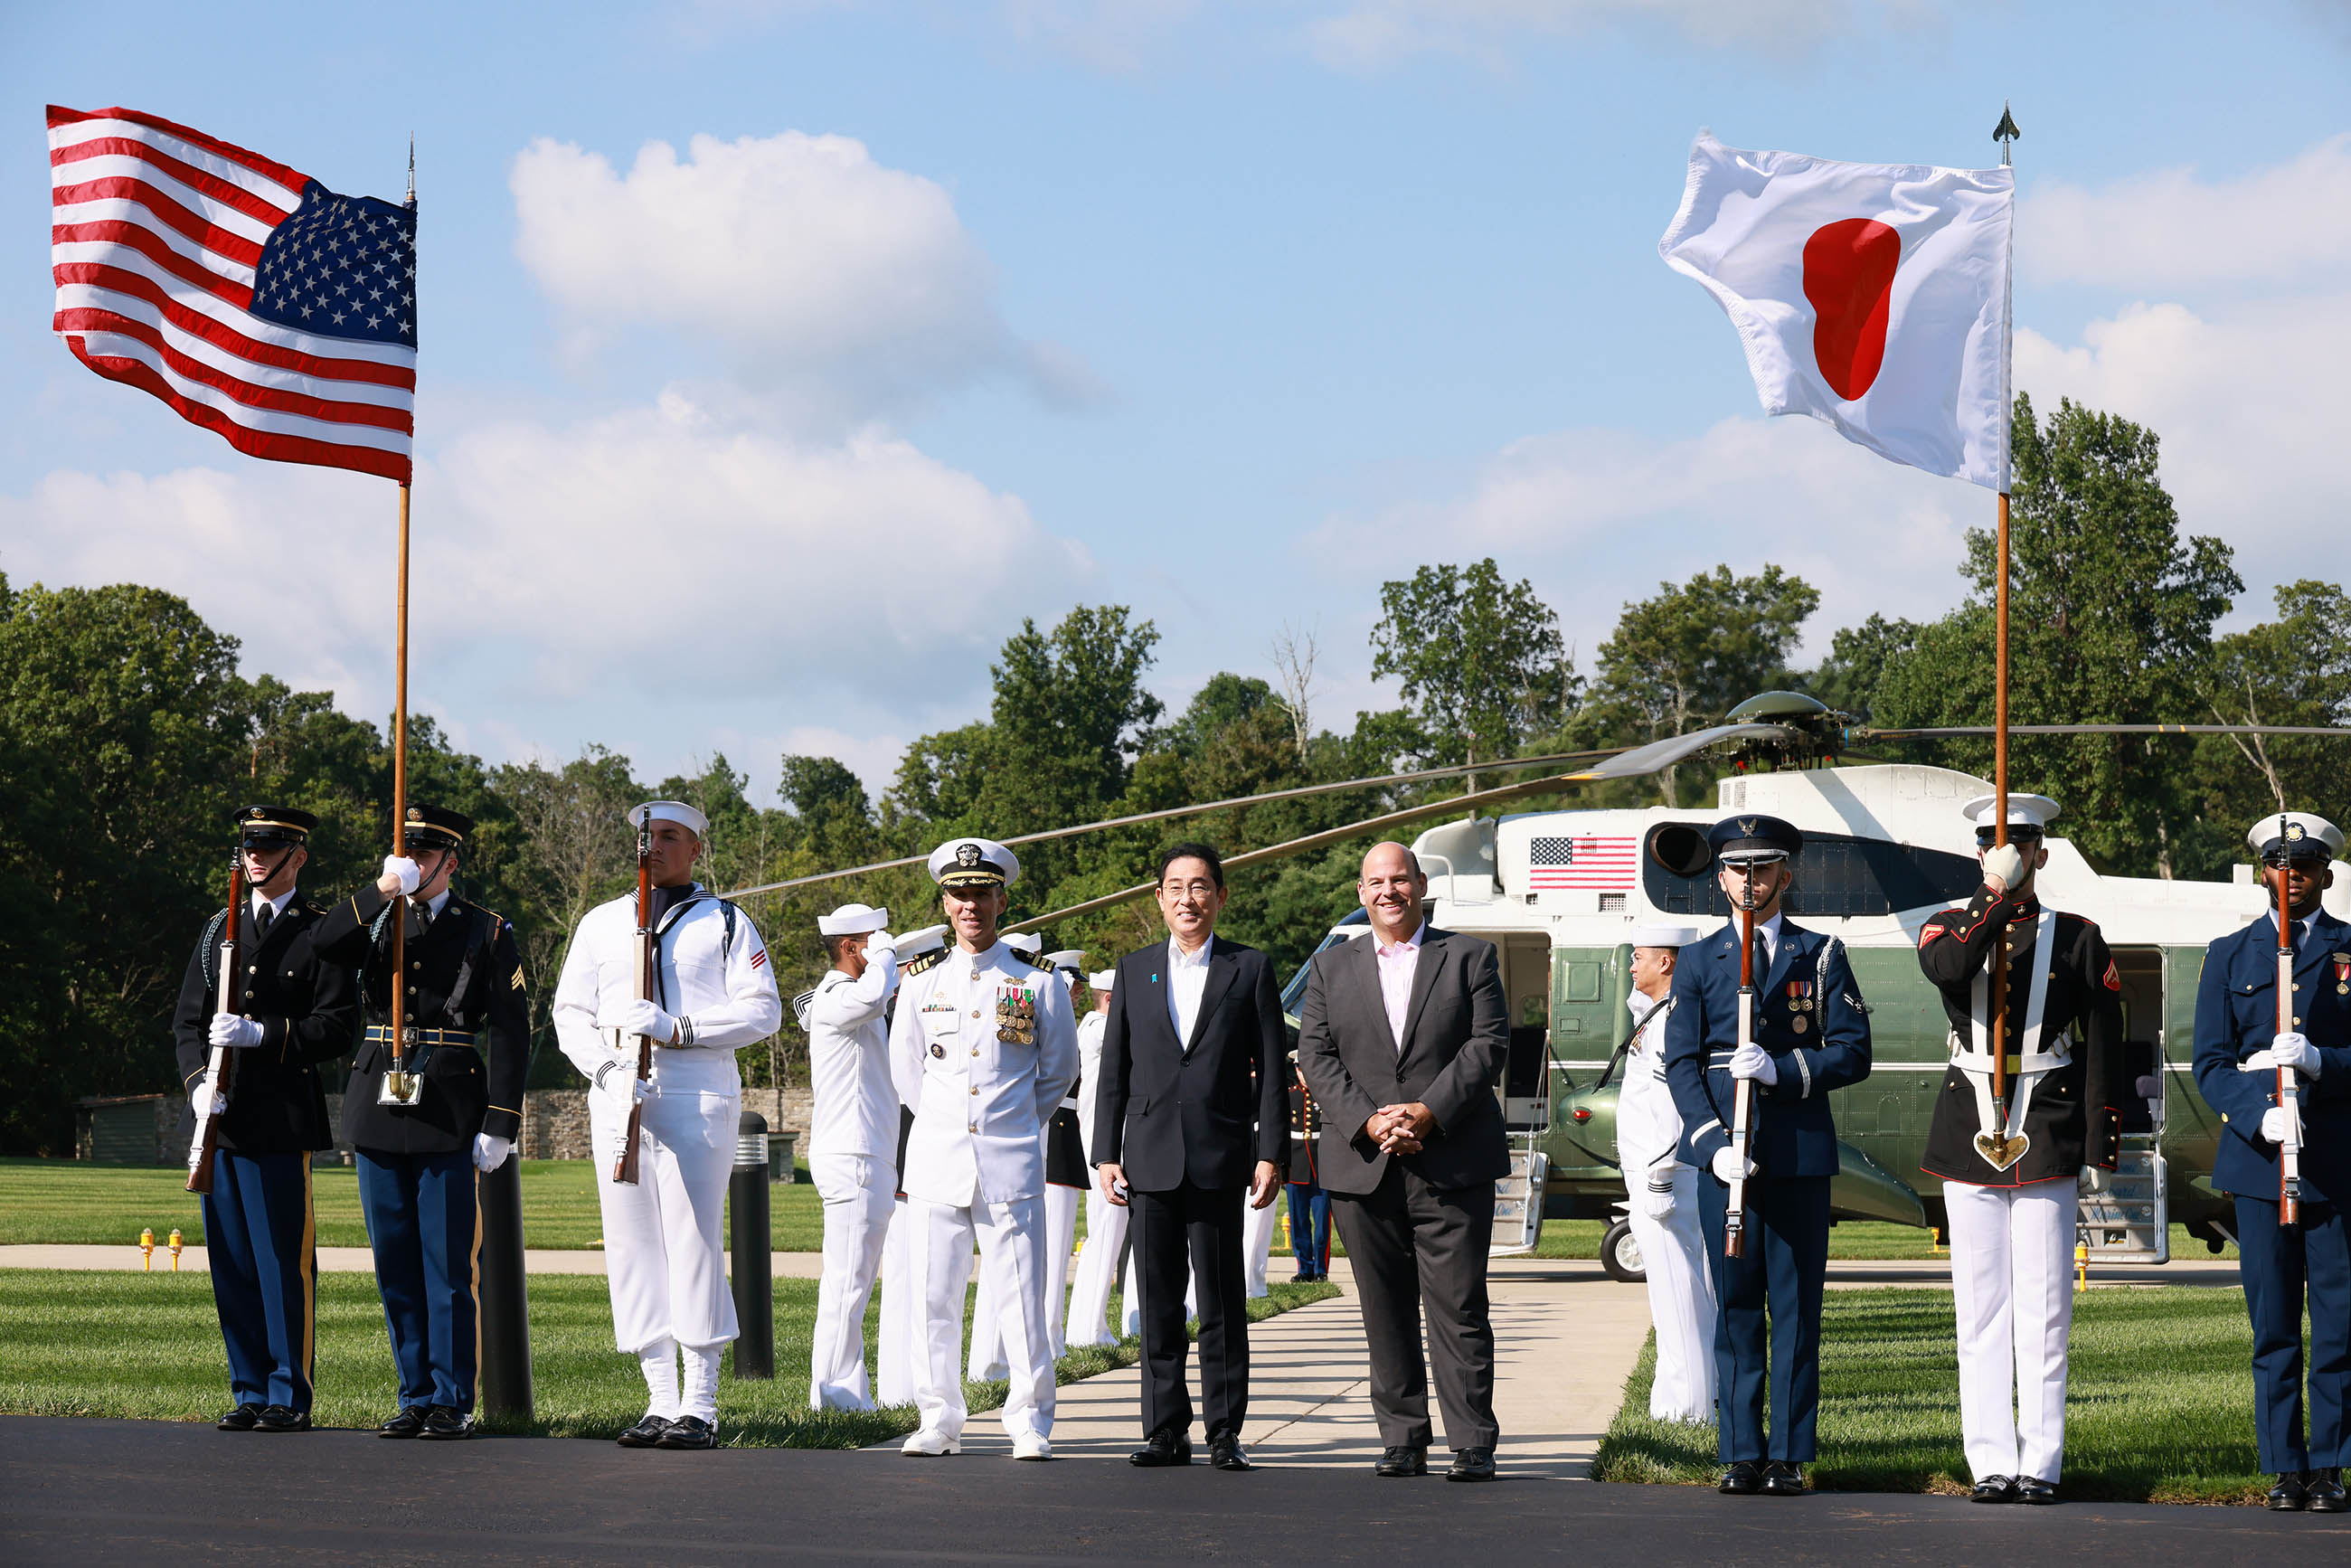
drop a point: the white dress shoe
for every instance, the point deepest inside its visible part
(1029, 1445)
(929, 1444)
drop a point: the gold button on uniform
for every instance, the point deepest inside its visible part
(975, 1012)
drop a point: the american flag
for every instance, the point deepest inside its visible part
(1556, 860)
(253, 300)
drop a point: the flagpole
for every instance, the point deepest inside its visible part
(400, 758)
(2006, 134)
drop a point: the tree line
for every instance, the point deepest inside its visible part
(127, 734)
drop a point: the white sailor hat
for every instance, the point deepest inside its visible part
(974, 863)
(2032, 812)
(1027, 942)
(915, 944)
(1101, 980)
(677, 811)
(852, 920)
(1073, 960)
(1661, 935)
(2294, 835)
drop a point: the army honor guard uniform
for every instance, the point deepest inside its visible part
(1663, 1194)
(294, 1011)
(2238, 1054)
(982, 1048)
(1097, 1269)
(1810, 1036)
(852, 1150)
(664, 1253)
(2011, 1172)
(421, 1140)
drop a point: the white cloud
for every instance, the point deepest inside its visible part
(1370, 35)
(814, 272)
(1116, 36)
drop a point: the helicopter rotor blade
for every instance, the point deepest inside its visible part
(1660, 754)
(1957, 731)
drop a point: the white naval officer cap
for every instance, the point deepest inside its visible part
(852, 920)
(1073, 960)
(677, 811)
(2033, 812)
(915, 944)
(1101, 980)
(1662, 935)
(1027, 942)
(974, 863)
(2294, 835)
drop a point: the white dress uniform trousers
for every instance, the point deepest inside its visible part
(1097, 1268)
(986, 1360)
(975, 1165)
(1673, 1251)
(902, 1320)
(853, 1148)
(2012, 1288)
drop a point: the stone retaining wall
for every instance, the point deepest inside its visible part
(555, 1120)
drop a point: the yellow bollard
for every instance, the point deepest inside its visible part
(147, 1251)
(176, 1245)
(1936, 1240)
(2080, 1267)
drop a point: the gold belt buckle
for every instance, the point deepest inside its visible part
(400, 1087)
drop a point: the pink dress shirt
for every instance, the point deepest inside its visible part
(1397, 963)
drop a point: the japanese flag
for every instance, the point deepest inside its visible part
(1871, 296)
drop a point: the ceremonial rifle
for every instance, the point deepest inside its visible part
(205, 1147)
(2289, 1095)
(624, 1168)
(400, 1086)
(1742, 1092)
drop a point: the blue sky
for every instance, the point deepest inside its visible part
(933, 315)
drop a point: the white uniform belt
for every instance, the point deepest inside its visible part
(1974, 1056)
(2030, 1063)
(1069, 1102)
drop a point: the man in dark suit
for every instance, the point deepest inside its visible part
(1190, 1117)
(1810, 1035)
(1403, 1037)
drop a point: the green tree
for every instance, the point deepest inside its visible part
(1479, 660)
(1848, 680)
(2293, 670)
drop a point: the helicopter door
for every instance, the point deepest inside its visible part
(1526, 1090)
(2130, 1222)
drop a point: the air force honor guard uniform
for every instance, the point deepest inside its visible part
(663, 1253)
(1810, 1036)
(982, 1048)
(2238, 1054)
(2011, 1173)
(420, 1143)
(1663, 1190)
(853, 1142)
(294, 1011)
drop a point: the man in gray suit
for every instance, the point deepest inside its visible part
(1402, 1036)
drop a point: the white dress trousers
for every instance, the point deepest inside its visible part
(1257, 1241)
(1013, 1276)
(664, 1238)
(1673, 1250)
(859, 1204)
(986, 1360)
(853, 1142)
(901, 1316)
(2013, 1287)
(1097, 1272)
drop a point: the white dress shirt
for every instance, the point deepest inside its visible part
(853, 1104)
(1187, 979)
(1397, 963)
(1767, 933)
(722, 982)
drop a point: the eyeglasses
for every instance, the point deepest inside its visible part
(1189, 889)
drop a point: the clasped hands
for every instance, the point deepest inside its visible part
(1401, 1129)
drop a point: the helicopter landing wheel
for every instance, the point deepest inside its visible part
(1620, 1254)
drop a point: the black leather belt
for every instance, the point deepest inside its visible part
(381, 1034)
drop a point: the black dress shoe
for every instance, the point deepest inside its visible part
(2033, 1490)
(1994, 1488)
(281, 1418)
(407, 1424)
(2289, 1494)
(1225, 1453)
(1471, 1465)
(446, 1425)
(645, 1433)
(1783, 1478)
(1740, 1478)
(2323, 1491)
(1162, 1448)
(240, 1419)
(689, 1432)
(1404, 1460)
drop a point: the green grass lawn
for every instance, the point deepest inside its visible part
(147, 1346)
(2160, 1407)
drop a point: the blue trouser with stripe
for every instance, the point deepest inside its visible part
(425, 1223)
(2280, 1264)
(1785, 1269)
(262, 1244)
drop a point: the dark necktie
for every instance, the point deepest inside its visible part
(261, 919)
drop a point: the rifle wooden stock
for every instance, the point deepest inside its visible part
(1742, 1092)
(625, 1165)
(2289, 1096)
(205, 1150)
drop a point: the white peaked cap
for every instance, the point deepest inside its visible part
(1656, 936)
(1070, 958)
(676, 811)
(2297, 828)
(852, 920)
(967, 862)
(915, 944)
(2023, 810)
(1101, 980)
(1027, 942)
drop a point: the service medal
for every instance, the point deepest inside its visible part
(1016, 1016)
(939, 1050)
(1800, 1023)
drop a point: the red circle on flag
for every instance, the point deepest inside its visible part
(1849, 280)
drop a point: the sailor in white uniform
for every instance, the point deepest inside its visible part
(1663, 1191)
(982, 1048)
(664, 1253)
(901, 1328)
(853, 1142)
(1105, 1221)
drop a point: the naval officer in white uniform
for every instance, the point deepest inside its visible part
(664, 1254)
(982, 1048)
(1663, 1191)
(853, 1142)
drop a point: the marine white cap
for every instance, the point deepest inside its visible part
(2287, 832)
(1661, 935)
(852, 920)
(1073, 959)
(973, 862)
(915, 944)
(2023, 810)
(1027, 942)
(676, 811)
(1101, 980)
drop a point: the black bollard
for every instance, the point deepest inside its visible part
(748, 1240)
(506, 1394)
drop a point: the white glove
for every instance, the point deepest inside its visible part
(1751, 1060)
(2296, 1050)
(618, 1079)
(401, 867)
(2093, 1180)
(1656, 1202)
(1728, 1167)
(2262, 1060)
(2003, 867)
(200, 1098)
(2273, 1124)
(234, 1033)
(881, 942)
(490, 1153)
(641, 1017)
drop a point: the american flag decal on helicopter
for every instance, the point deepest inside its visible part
(1558, 860)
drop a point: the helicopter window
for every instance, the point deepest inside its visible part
(1837, 875)
(1295, 993)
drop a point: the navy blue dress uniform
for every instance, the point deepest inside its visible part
(469, 1052)
(260, 1233)
(1810, 1021)
(2283, 1266)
